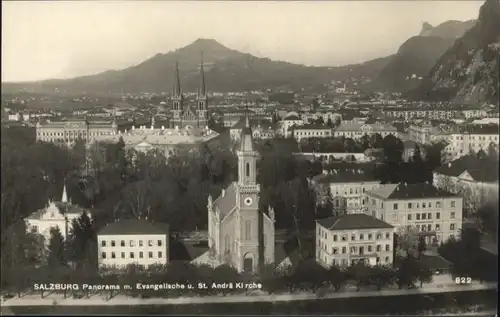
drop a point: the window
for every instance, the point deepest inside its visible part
(150, 254)
(452, 204)
(131, 255)
(113, 243)
(387, 235)
(141, 243)
(409, 216)
(438, 215)
(387, 248)
(429, 227)
(122, 243)
(395, 207)
(103, 243)
(452, 215)
(160, 255)
(113, 255)
(418, 205)
(353, 237)
(386, 259)
(423, 205)
(379, 248)
(361, 236)
(429, 216)
(344, 250)
(378, 260)
(334, 237)
(248, 228)
(369, 248)
(123, 255)
(409, 205)
(344, 237)
(103, 255)
(150, 243)
(424, 216)
(353, 249)
(370, 236)
(247, 170)
(452, 226)
(437, 227)
(430, 205)
(418, 216)
(418, 227)
(335, 250)
(132, 243)
(141, 254)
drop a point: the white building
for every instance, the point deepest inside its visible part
(308, 131)
(133, 241)
(348, 239)
(261, 129)
(471, 138)
(55, 214)
(347, 188)
(292, 119)
(357, 130)
(436, 213)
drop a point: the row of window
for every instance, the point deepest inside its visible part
(422, 205)
(344, 262)
(361, 236)
(132, 255)
(437, 227)
(131, 243)
(356, 249)
(73, 133)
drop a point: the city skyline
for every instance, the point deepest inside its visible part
(81, 38)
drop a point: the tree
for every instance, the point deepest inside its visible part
(493, 150)
(309, 274)
(424, 274)
(360, 273)
(365, 142)
(82, 242)
(225, 274)
(421, 245)
(406, 273)
(376, 141)
(336, 277)
(381, 276)
(407, 242)
(136, 199)
(57, 254)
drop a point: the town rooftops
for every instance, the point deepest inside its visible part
(479, 129)
(62, 208)
(313, 126)
(358, 127)
(291, 117)
(483, 169)
(262, 123)
(159, 137)
(353, 222)
(408, 191)
(346, 176)
(134, 226)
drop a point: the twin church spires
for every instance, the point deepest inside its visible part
(187, 117)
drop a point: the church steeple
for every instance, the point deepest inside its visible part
(177, 82)
(202, 88)
(246, 135)
(247, 156)
(64, 198)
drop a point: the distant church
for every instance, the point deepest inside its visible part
(239, 234)
(189, 117)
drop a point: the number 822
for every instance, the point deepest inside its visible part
(463, 280)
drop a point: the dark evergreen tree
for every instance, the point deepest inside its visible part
(56, 250)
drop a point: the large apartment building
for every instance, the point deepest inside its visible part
(357, 130)
(308, 131)
(465, 139)
(69, 131)
(436, 213)
(347, 239)
(409, 114)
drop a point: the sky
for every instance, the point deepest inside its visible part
(60, 39)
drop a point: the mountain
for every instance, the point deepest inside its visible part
(417, 55)
(450, 29)
(468, 71)
(225, 70)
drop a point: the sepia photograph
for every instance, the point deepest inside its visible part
(238, 158)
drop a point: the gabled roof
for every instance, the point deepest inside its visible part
(480, 169)
(227, 202)
(133, 226)
(352, 222)
(409, 191)
(63, 208)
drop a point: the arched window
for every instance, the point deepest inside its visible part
(247, 170)
(248, 230)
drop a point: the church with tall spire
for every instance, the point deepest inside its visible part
(184, 114)
(240, 234)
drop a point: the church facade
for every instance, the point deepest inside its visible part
(185, 115)
(239, 234)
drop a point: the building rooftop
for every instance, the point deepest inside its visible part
(313, 126)
(481, 169)
(134, 226)
(408, 191)
(353, 175)
(360, 127)
(353, 222)
(62, 208)
(226, 201)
